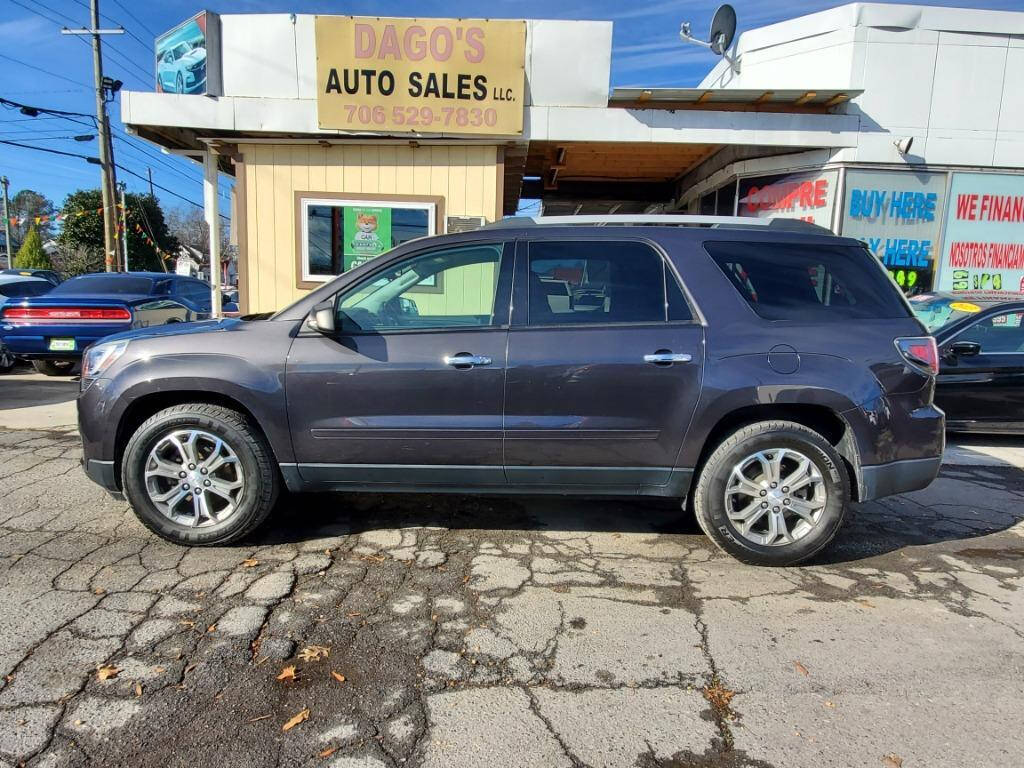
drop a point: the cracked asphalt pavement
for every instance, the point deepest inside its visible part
(464, 631)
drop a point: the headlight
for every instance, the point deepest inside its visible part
(100, 357)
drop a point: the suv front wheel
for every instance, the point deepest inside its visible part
(772, 493)
(200, 474)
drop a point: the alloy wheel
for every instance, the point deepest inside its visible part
(775, 497)
(194, 478)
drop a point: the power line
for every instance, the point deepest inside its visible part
(163, 189)
(43, 15)
(113, 51)
(141, 42)
(56, 138)
(152, 156)
(94, 160)
(44, 71)
(134, 18)
(59, 112)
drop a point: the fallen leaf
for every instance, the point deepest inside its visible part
(250, 562)
(299, 718)
(99, 591)
(106, 672)
(187, 623)
(138, 690)
(212, 628)
(800, 668)
(353, 614)
(314, 652)
(830, 704)
(288, 673)
(718, 696)
(327, 752)
(79, 722)
(189, 668)
(892, 760)
(337, 676)
(261, 717)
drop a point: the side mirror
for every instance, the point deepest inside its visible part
(321, 319)
(964, 349)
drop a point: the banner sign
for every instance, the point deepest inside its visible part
(367, 233)
(984, 242)
(461, 76)
(188, 57)
(898, 215)
(806, 196)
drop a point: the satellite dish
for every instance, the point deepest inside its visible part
(723, 29)
(723, 32)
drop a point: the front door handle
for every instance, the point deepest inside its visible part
(665, 357)
(465, 360)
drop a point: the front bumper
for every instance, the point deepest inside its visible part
(895, 477)
(103, 474)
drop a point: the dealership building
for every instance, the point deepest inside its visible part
(899, 125)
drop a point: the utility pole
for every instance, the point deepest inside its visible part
(150, 172)
(212, 213)
(124, 224)
(103, 85)
(7, 223)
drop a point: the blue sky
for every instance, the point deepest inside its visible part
(41, 67)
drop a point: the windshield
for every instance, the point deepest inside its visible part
(118, 284)
(937, 311)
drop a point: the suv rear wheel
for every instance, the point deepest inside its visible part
(772, 493)
(200, 474)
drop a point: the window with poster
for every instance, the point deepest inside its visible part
(337, 233)
(983, 245)
(897, 214)
(809, 196)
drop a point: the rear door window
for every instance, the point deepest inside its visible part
(594, 282)
(795, 281)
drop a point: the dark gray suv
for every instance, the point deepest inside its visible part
(763, 373)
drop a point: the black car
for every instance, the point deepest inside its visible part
(765, 374)
(981, 368)
(54, 329)
(49, 275)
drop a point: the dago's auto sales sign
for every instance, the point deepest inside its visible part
(420, 75)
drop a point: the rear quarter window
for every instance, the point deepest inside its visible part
(795, 281)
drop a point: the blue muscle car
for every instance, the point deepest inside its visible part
(54, 329)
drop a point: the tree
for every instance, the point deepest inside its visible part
(78, 260)
(25, 206)
(31, 254)
(83, 228)
(189, 226)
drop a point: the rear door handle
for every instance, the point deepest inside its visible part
(466, 360)
(664, 357)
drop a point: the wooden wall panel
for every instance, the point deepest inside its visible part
(466, 176)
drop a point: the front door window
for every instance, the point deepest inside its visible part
(442, 290)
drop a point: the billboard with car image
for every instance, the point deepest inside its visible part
(188, 57)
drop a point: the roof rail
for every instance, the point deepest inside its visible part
(661, 220)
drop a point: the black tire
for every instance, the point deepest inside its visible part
(54, 367)
(709, 503)
(258, 468)
(7, 360)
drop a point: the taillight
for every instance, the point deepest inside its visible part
(67, 313)
(921, 352)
